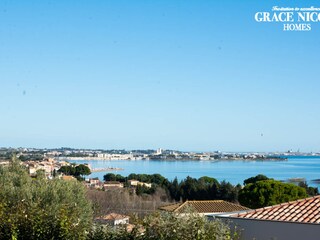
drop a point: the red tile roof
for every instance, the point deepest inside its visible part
(209, 206)
(303, 211)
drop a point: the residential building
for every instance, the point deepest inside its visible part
(294, 220)
(93, 183)
(135, 183)
(112, 219)
(112, 184)
(109, 156)
(206, 207)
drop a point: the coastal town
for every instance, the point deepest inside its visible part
(62, 154)
(52, 168)
(159, 120)
(51, 161)
(122, 200)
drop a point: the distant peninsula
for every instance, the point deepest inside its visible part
(37, 154)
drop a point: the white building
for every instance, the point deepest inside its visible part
(159, 151)
(113, 219)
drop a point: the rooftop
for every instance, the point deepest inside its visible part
(112, 216)
(304, 211)
(112, 182)
(67, 177)
(208, 206)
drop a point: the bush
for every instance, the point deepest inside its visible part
(269, 192)
(168, 226)
(41, 208)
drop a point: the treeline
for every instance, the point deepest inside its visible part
(75, 170)
(34, 156)
(261, 191)
(204, 188)
(258, 191)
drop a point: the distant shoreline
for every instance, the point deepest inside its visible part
(108, 169)
(171, 159)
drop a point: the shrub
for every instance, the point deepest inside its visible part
(269, 192)
(168, 226)
(41, 208)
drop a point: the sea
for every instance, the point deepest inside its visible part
(295, 167)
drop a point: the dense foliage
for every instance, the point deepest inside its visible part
(168, 226)
(311, 191)
(258, 191)
(147, 178)
(40, 208)
(255, 179)
(76, 171)
(269, 192)
(204, 188)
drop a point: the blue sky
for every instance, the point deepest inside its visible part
(188, 75)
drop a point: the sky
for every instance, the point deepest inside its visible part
(184, 75)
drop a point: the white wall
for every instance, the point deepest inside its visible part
(273, 230)
(121, 221)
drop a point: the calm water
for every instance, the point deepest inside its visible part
(232, 171)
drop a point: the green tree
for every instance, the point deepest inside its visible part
(157, 179)
(269, 192)
(54, 173)
(114, 177)
(109, 177)
(81, 170)
(227, 191)
(311, 191)
(168, 226)
(23, 158)
(141, 189)
(255, 179)
(204, 188)
(208, 180)
(133, 176)
(41, 208)
(40, 173)
(67, 170)
(189, 188)
(120, 178)
(76, 171)
(174, 189)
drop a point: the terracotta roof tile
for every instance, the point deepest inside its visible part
(171, 207)
(209, 206)
(304, 211)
